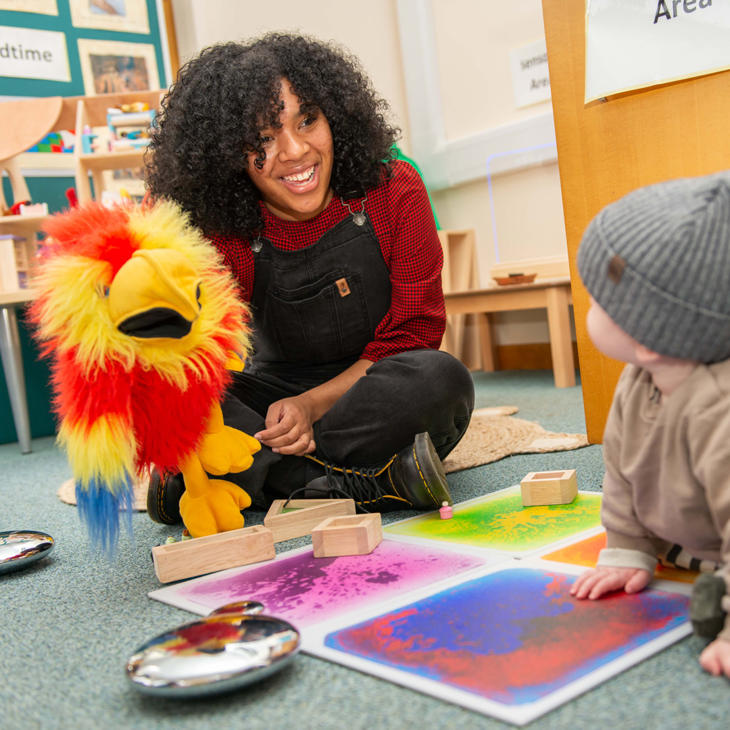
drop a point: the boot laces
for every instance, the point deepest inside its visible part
(361, 485)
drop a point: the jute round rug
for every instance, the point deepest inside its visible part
(67, 493)
(493, 434)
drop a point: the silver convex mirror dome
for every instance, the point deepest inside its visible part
(221, 652)
(20, 548)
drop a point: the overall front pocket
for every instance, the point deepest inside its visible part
(322, 322)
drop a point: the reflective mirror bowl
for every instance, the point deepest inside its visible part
(250, 608)
(220, 652)
(20, 548)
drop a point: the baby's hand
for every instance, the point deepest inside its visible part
(594, 583)
(715, 658)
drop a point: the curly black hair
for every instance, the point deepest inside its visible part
(212, 115)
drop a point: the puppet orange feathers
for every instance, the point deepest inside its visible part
(141, 320)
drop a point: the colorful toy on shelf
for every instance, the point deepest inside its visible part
(88, 140)
(14, 209)
(28, 208)
(141, 320)
(129, 129)
(62, 141)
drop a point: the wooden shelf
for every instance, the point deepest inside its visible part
(19, 296)
(111, 160)
(10, 223)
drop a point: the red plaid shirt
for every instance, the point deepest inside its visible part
(401, 215)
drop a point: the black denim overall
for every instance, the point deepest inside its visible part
(314, 311)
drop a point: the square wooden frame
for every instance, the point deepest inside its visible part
(351, 535)
(201, 555)
(556, 486)
(306, 514)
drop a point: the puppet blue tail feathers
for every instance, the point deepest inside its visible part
(100, 510)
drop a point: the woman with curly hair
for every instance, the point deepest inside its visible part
(280, 152)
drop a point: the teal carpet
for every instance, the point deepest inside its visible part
(69, 622)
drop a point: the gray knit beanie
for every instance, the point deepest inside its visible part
(658, 262)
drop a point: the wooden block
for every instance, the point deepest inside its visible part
(353, 535)
(549, 487)
(305, 514)
(190, 558)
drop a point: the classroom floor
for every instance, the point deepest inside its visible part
(69, 623)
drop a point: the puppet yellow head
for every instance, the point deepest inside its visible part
(137, 286)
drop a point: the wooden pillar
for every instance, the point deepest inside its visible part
(608, 148)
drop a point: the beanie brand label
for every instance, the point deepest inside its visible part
(616, 268)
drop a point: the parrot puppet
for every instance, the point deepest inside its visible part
(142, 322)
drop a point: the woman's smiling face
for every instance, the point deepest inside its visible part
(294, 178)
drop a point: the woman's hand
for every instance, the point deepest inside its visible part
(289, 421)
(603, 579)
(289, 426)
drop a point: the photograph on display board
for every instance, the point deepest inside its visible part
(109, 67)
(43, 7)
(124, 16)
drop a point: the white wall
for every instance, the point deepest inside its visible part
(471, 40)
(369, 30)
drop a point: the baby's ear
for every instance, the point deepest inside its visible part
(646, 357)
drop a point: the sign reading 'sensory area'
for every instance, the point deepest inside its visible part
(631, 44)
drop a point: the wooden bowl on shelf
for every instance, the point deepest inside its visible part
(515, 279)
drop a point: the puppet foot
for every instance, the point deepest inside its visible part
(218, 509)
(227, 451)
(163, 497)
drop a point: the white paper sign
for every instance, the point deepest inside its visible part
(631, 44)
(530, 79)
(33, 54)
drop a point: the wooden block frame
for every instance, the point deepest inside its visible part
(306, 514)
(549, 487)
(353, 535)
(190, 558)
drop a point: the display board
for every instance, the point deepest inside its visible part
(82, 47)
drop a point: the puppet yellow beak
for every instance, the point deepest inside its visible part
(155, 294)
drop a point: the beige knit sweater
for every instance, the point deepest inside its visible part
(668, 470)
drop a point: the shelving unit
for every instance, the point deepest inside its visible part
(460, 274)
(27, 227)
(25, 122)
(22, 225)
(91, 111)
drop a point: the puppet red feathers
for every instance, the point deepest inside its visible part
(141, 320)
